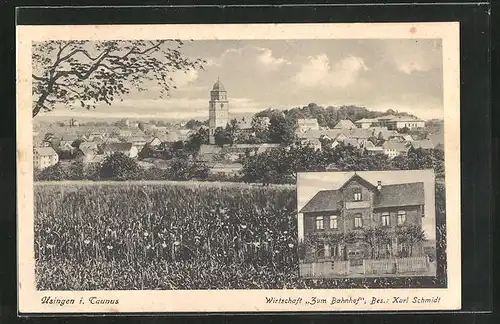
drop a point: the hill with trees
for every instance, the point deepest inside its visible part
(329, 116)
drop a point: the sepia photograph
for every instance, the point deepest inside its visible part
(202, 164)
(367, 224)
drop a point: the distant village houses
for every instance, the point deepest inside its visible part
(44, 157)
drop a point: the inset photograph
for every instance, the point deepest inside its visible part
(366, 224)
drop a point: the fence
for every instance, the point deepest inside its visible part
(415, 264)
(382, 266)
(399, 265)
(324, 269)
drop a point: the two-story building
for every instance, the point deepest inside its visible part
(43, 157)
(359, 205)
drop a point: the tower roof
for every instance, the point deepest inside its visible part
(218, 86)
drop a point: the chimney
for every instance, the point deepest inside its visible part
(379, 185)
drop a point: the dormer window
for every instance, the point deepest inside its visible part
(357, 194)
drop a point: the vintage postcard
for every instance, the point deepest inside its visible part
(238, 168)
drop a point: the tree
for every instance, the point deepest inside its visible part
(260, 129)
(197, 139)
(410, 235)
(76, 143)
(375, 238)
(281, 130)
(222, 137)
(118, 166)
(76, 170)
(418, 159)
(52, 173)
(193, 124)
(185, 169)
(90, 72)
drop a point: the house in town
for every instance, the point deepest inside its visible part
(183, 134)
(313, 142)
(358, 205)
(423, 144)
(373, 150)
(43, 157)
(126, 148)
(155, 142)
(409, 122)
(68, 139)
(352, 142)
(95, 137)
(344, 124)
(138, 141)
(360, 134)
(384, 134)
(66, 147)
(400, 138)
(307, 124)
(366, 122)
(393, 149)
(87, 153)
(383, 121)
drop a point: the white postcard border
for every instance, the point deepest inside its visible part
(238, 300)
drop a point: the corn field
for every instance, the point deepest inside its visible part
(162, 235)
(169, 235)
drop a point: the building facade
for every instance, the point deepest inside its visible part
(353, 209)
(43, 157)
(218, 109)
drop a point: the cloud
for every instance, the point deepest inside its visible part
(266, 58)
(318, 71)
(184, 77)
(415, 56)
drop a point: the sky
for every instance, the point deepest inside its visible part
(379, 74)
(310, 183)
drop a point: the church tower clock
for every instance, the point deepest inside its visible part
(218, 109)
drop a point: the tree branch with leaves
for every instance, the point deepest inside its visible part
(87, 73)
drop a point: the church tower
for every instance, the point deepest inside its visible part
(218, 109)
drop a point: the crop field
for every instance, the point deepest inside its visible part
(172, 235)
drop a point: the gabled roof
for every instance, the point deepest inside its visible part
(398, 146)
(44, 151)
(68, 138)
(306, 121)
(351, 142)
(325, 200)
(423, 144)
(405, 194)
(310, 134)
(346, 124)
(87, 145)
(363, 133)
(406, 119)
(366, 120)
(386, 117)
(117, 147)
(358, 178)
(394, 195)
(385, 134)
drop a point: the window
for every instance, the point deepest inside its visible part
(386, 220)
(358, 221)
(333, 222)
(357, 194)
(319, 223)
(401, 217)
